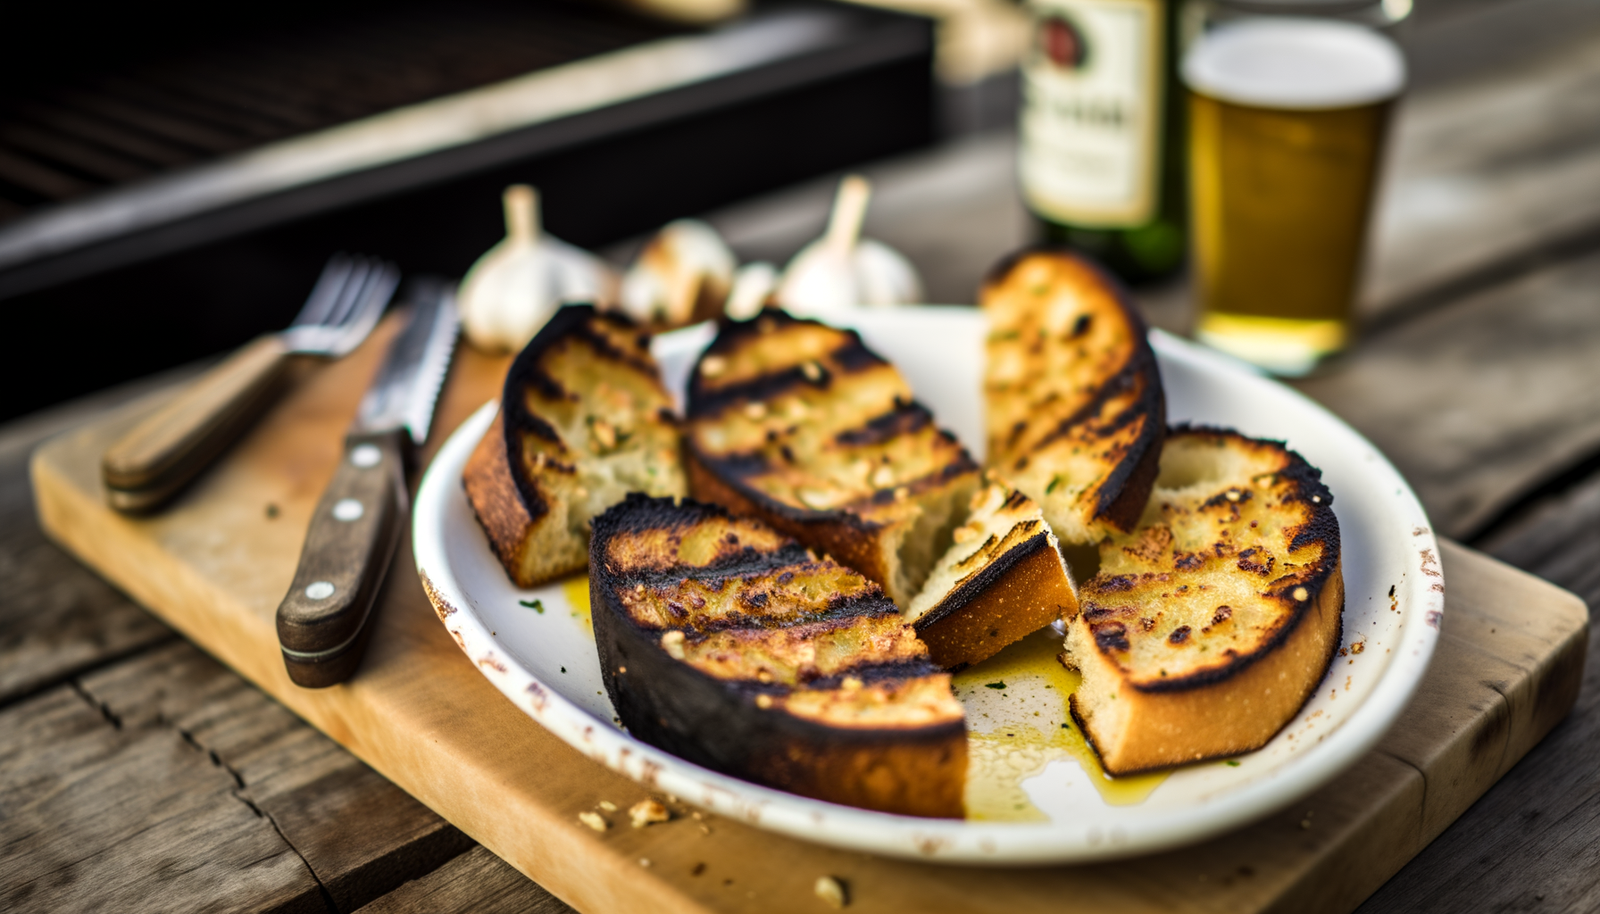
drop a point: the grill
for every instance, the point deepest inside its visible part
(168, 192)
(63, 140)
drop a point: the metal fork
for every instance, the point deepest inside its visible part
(167, 449)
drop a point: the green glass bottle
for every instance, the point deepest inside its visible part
(1102, 132)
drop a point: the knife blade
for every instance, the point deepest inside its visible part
(322, 621)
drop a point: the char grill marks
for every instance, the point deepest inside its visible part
(722, 642)
(805, 415)
(735, 601)
(1076, 410)
(1237, 543)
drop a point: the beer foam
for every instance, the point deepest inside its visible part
(1301, 64)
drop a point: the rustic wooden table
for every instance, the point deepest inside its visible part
(172, 784)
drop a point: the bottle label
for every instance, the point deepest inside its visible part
(1091, 115)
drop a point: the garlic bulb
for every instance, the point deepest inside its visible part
(683, 275)
(514, 288)
(842, 270)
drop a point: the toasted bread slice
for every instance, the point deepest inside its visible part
(1001, 580)
(801, 425)
(730, 645)
(1075, 404)
(1210, 624)
(584, 419)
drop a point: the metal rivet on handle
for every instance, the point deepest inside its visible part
(366, 455)
(348, 509)
(319, 590)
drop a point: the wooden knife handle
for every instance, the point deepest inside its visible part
(172, 445)
(322, 622)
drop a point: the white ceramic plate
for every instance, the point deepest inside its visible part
(545, 661)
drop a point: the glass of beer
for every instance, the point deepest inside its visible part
(1287, 118)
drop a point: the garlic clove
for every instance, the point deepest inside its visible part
(683, 275)
(841, 270)
(753, 286)
(583, 277)
(516, 286)
(884, 276)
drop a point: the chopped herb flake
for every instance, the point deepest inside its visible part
(994, 685)
(535, 605)
(1232, 763)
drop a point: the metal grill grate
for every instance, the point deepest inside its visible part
(75, 136)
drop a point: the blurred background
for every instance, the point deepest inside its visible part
(172, 180)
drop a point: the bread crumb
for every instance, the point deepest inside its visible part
(648, 812)
(755, 410)
(608, 806)
(713, 365)
(594, 820)
(644, 862)
(832, 892)
(1301, 594)
(882, 476)
(672, 643)
(763, 701)
(811, 370)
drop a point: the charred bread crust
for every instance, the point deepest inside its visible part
(845, 536)
(1119, 406)
(651, 558)
(506, 510)
(1197, 724)
(1227, 678)
(525, 500)
(1001, 580)
(865, 522)
(1014, 599)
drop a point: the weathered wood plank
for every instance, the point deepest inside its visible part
(1531, 841)
(1499, 156)
(477, 882)
(419, 710)
(1480, 403)
(99, 816)
(57, 618)
(360, 835)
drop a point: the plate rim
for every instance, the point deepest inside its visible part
(944, 840)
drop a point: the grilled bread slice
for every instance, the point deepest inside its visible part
(801, 425)
(1075, 405)
(1211, 623)
(584, 419)
(730, 645)
(1001, 580)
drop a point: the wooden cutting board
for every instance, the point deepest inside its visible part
(215, 566)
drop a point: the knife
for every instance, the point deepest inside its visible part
(322, 622)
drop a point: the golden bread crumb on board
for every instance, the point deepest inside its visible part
(831, 890)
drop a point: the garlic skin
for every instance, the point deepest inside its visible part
(841, 270)
(752, 286)
(683, 275)
(519, 283)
